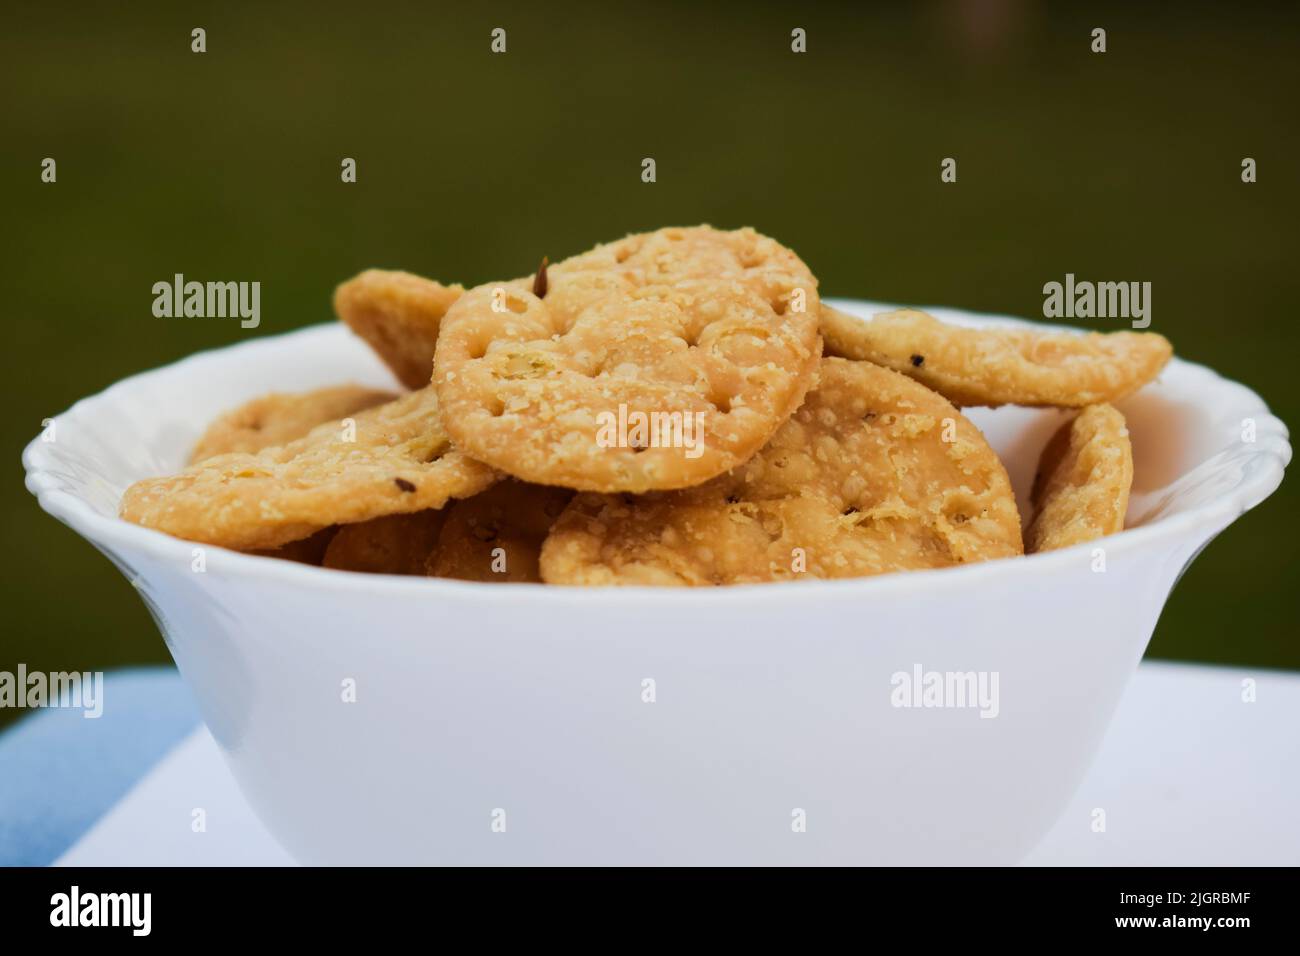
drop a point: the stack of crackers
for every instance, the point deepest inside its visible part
(673, 408)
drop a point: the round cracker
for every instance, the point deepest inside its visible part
(393, 544)
(398, 314)
(279, 418)
(309, 550)
(1082, 486)
(497, 535)
(399, 460)
(1000, 366)
(717, 328)
(874, 473)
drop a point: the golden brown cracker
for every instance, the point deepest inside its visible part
(396, 460)
(874, 473)
(578, 387)
(309, 550)
(1082, 486)
(398, 314)
(278, 418)
(497, 535)
(393, 544)
(1000, 366)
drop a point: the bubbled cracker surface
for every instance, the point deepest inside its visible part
(1084, 477)
(401, 461)
(861, 480)
(1000, 366)
(279, 418)
(694, 321)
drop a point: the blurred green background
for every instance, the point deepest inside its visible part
(471, 166)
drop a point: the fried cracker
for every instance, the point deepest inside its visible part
(497, 535)
(1000, 366)
(309, 550)
(874, 473)
(398, 315)
(393, 544)
(278, 418)
(399, 461)
(691, 322)
(1082, 487)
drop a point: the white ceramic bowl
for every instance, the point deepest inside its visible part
(772, 736)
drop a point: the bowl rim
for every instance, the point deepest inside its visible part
(1266, 459)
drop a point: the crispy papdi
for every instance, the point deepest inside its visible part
(279, 418)
(1082, 487)
(1002, 366)
(497, 535)
(716, 328)
(874, 473)
(309, 550)
(398, 314)
(397, 459)
(393, 544)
